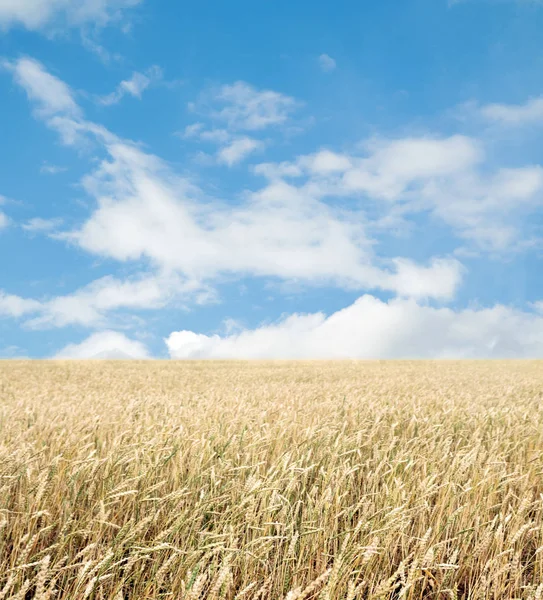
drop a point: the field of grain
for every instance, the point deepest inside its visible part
(346, 480)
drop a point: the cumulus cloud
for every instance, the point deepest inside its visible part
(446, 176)
(144, 210)
(515, 114)
(327, 63)
(440, 280)
(290, 228)
(40, 14)
(135, 86)
(371, 329)
(280, 232)
(105, 345)
(15, 306)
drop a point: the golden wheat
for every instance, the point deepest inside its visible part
(271, 480)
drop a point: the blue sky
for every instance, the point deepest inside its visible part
(271, 180)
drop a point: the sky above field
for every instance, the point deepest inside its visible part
(271, 179)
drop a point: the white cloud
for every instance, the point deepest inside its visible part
(440, 280)
(37, 224)
(193, 130)
(288, 230)
(515, 114)
(243, 107)
(387, 168)
(90, 42)
(145, 211)
(4, 221)
(135, 86)
(232, 110)
(39, 14)
(51, 94)
(326, 162)
(488, 209)
(15, 306)
(105, 345)
(280, 232)
(327, 63)
(90, 306)
(231, 148)
(447, 177)
(238, 150)
(278, 171)
(371, 328)
(293, 230)
(48, 169)
(55, 102)
(216, 136)
(393, 166)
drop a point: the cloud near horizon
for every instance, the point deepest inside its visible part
(372, 328)
(105, 345)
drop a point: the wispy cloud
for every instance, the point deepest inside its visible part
(4, 220)
(238, 150)
(530, 112)
(233, 110)
(47, 169)
(247, 108)
(193, 130)
(327, 63)
(242, 107)
(51, 95)
(92, 305)
(135, 86)
(42, 14)
(39, 225)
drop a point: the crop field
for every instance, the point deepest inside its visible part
(271, 480)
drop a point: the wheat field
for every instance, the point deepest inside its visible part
(271, 480)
